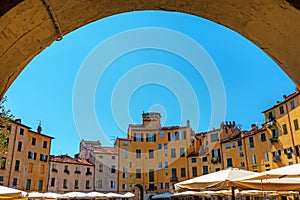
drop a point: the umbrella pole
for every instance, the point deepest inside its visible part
(232, 193)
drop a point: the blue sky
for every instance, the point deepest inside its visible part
(159, 80)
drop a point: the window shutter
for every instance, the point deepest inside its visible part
(285, 151)
(142, 137)
(134, 137)
(29, 155)
(219, 153)
(212, 153)
(169, 136)
(154, 137)
(279, 152)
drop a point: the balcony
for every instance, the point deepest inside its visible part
(271, 122)
(174, 179)
(215, 160)
(88, 173)
(54, 170)
(274, 139)
(66, 171)
(77, 172)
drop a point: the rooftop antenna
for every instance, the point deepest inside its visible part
(113, 138)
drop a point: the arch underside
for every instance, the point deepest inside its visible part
(28, 27)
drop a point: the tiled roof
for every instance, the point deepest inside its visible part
(69, 160)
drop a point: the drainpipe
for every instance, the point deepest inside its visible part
(291, 130)
(221, 152)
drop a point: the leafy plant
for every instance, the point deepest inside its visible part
(5, 125)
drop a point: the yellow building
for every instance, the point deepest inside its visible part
(152, 158)
(69, 174)
(282, 124)
(25, 165)
(205, 155)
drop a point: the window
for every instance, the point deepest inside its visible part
(240, 144)
(21, 131)
(43, 157)
(87, 184)
(17, 165)
(52, 184)
(214, 137)
(151, 186)
(166, 147)
(124, 186)
(173, 136)
(99, 183)
(263, 137)
(174, 173)
(151, 154)
(173, 153)
(66, 169)
(167, 186)
(65, 183)
(125, 153)
(162, 134)
(151, 175)
(284, 129)
(15, 182)
(138, 173)
(194, 171)
(112, 184)
(266, 157)
(3, 163)
(40, 187)
(138, 137)
(19, 146)
(227, 146)
(182, 135)
(151, 137)
(100, 168)
(253, 159)
(32, 155)
(182, 152)
(251, 141)
(205, 170)
(233, 145)
(160, 185)
(30, 167)
(229, 162)
(44, 144)
(182, 172)
(138, 153)
(159, 147)
(159, 165)
(1, 180)
(76, 184)
(125, 175)
(241, 154)
(204, 159)
(296, 124)
(33, 141)
(292, 105)
(113, 169)
(166, 166)
(124, 144)
(281, 110)
(28, 183)
(194, 160)
(242, 164)
(275, 133)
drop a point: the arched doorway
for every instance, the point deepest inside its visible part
(138, 190)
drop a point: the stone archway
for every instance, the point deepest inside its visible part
(140, 191)
(28, 27)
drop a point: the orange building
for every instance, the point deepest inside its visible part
(26, 163)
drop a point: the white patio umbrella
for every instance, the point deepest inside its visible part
(51, 195)
(291, 171)
(113, 195)
(80, 195)
(213, 181)
(96, 195)
(128, 195)
(6, 192)
(35, 195)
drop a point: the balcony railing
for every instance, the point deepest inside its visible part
(271, 122)
(274, 139)
(215, 160)
(276, 158)
(174, 179)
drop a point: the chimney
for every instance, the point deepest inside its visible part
(19, 121)
(254, 127)
(188, 123)
(284, 97)
(278, 102)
